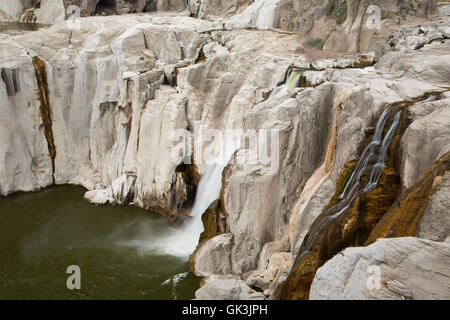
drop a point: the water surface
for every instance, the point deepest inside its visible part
(42, 233)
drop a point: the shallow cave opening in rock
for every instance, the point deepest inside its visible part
(106, 7)
(151, 6)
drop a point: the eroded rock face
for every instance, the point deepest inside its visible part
(400, 268)
(276, 270)
(435, 223)
(359, 26)
(411, 208)
(11, 10)
(121, 89)
(55, 11)
(101, 102)
(25, 161)
(423, 142)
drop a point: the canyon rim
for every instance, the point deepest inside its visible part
(301, 148)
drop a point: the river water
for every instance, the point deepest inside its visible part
(43, 233)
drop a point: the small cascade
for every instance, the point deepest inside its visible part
(370, 166)
(376, 150)
(291, 82)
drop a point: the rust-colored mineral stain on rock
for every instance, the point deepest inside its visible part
(327, 237)
(46, 112)
(370, 216)
(402, 220)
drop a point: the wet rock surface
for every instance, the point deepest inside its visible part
(119, 90)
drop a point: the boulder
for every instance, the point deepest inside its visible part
(435, 223)
(222, 288)
(423, 143)
(213, 256)
(399, 268)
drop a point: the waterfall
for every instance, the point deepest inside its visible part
(209, 189)
(291, 82)
(354, 187)
(370, 164)
(182, 242)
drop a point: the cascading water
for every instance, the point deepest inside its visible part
(291, 82)
(370, 164)
(350, 218)
(208, 191)
(182, 242)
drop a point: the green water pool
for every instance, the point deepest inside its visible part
(43, 233)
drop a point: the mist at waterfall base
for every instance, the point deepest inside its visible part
(124, 252)
(183, 241)
(42, 233)
(119, 249)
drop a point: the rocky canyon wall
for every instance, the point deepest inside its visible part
(121, 105)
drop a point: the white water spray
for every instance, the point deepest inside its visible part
(182, 242)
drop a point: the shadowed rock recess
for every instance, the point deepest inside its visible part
(349, 99)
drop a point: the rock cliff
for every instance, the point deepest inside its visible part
(133, 107)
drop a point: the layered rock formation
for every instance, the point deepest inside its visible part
(121, 107)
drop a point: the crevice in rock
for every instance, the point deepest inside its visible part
(201, 56)
(151, 6)
(45, 108)
(191, 178)
(107, 7)
(421, 45)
